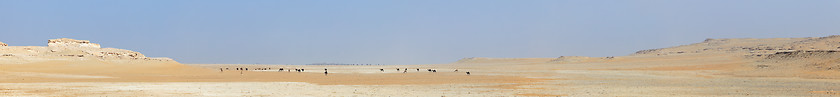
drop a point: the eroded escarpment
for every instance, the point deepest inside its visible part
(66, 49)
(749, 46)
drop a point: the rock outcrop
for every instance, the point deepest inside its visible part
(809, 57)
(3, 44)
(68, 50)
(66, 42)
(750, 46)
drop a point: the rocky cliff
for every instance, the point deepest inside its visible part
(65, 49)
(66, 42)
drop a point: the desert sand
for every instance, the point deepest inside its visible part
(715, 67)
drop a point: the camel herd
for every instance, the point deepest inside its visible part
(404, 70)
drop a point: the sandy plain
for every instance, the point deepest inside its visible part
(503, 77)
(698, 74)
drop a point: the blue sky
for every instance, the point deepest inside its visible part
(402, 31)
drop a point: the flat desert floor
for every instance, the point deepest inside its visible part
(679, 75)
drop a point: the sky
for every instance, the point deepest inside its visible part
(404, 31)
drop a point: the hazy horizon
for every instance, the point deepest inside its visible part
(405, 32)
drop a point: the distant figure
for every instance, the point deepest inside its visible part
(398, 69)
(246, 68)
(468, 73)
(430, 70)
(434, 70)
(325, 73)
(418, 69)
(380, 69)
(281, 69)
(221, 70)
(227, 68)
(301, 70)
(456, 70)
(237, 68)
